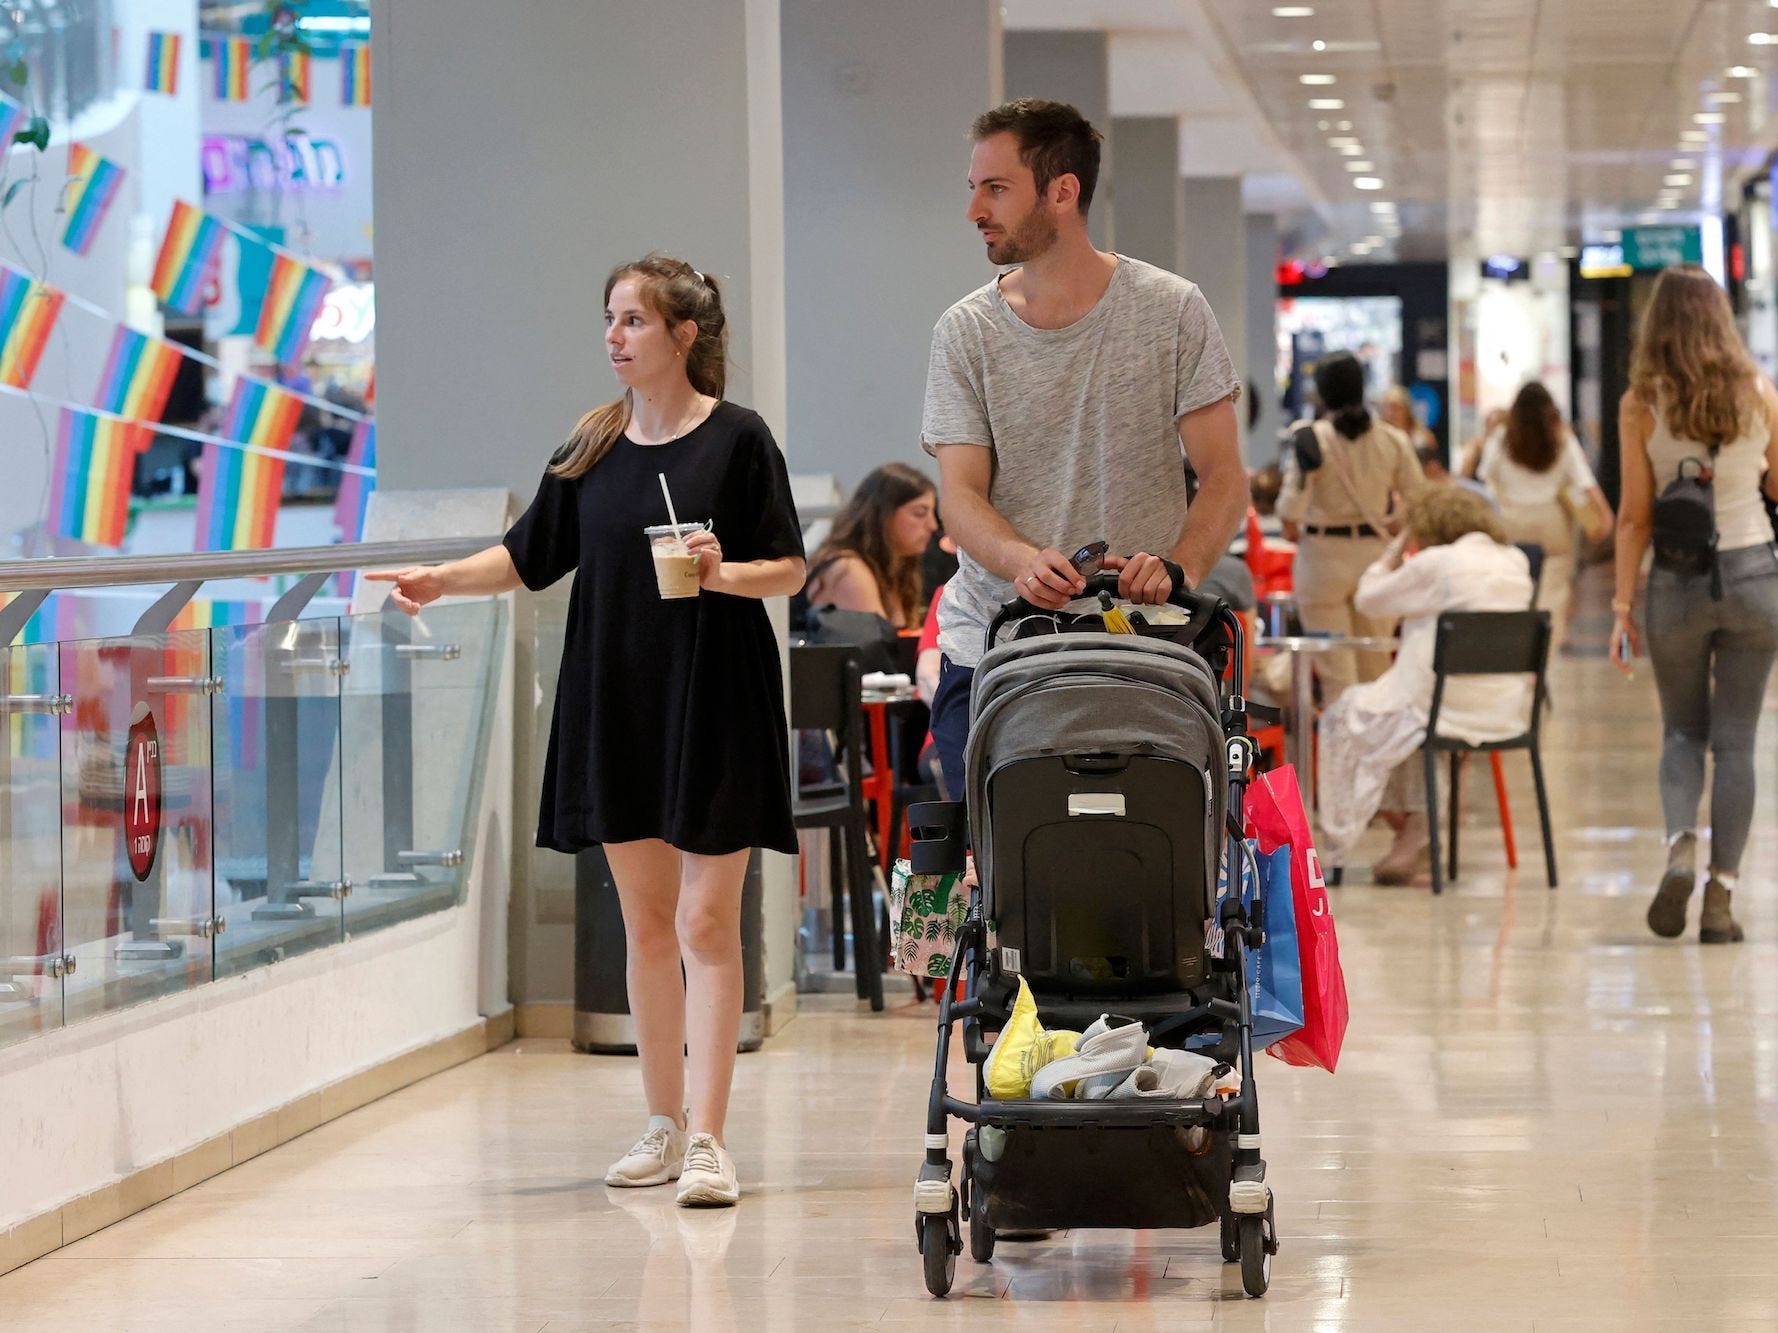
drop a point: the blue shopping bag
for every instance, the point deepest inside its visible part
(1275, 974)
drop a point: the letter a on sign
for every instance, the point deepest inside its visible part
(142, 793)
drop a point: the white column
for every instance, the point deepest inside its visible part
(1262, 339)
(1216, 258)
(616, 129)
(1073, 67)
(877, 104)
(1150, 193)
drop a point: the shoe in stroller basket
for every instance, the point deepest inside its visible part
(1104, 774)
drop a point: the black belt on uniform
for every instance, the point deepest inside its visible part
(1342, 530)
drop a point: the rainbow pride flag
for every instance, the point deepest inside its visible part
(294, 85)
(28, 312)
(355, 75)
(12, 120)
(238, 492)
(92, 185)
(89, 498)
(187, 250)
(139, 374)
(233, 57)
(163, 63)
(32, 670)
(293, 297)
(237, 659)
(355, 488)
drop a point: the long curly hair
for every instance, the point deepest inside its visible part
(1690, 363)
(676, 292)
(861, 529)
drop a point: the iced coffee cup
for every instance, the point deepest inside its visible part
(675, 567)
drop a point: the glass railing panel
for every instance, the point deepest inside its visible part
(31, 951)
(275, 734)
(414, 718)
(137, 901)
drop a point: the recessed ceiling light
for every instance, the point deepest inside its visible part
(1345, 125)
(1316, 80)
(1350, 150)
(1677, 180)
(1361, 166)
(1293, 11)
(1694, 136)
(1318, 45)
(1740, 72)
(1368, 183)
(1324, 125)
(1762, 39)
(1680, 164)
(1708, 117)
(1326, 104)
(1383, 206)
(1722, 99)
(1342, 141)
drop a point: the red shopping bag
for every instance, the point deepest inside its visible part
(1275, 816)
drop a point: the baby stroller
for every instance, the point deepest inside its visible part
(1102, 772)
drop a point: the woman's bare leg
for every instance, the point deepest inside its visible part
(709, 924)
(647, 873)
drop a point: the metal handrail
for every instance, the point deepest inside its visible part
(118, 571)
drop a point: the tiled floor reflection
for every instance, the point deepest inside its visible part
(1545, 1119)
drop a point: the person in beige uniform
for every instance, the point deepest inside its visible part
(1336, 503)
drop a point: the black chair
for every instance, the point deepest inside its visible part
(1486, 643)
(824, 697)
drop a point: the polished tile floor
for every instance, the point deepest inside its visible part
(1545, 1119)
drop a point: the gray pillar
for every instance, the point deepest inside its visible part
(1072, 67)
(613, 129)
(1262, 337)
(878, 100)
(1216, 257)
(1150, 193)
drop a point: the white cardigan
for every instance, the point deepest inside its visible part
(1374, 726)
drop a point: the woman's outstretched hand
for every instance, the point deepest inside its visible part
(414, 586)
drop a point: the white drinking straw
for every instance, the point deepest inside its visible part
(672, 517)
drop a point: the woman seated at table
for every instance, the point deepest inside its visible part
(871, 559)
(1452, 555)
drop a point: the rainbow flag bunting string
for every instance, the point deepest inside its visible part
(28, 312)
(138, 377)
(163, 63)
(189, 248)
(293, 89)
(238, 491)
(233, 59)
(95, 461)
(92, 185)
(293, 299)
(355, 75)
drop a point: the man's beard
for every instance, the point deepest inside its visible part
(1034, 235)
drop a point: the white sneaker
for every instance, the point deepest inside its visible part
(708, 1180)
(657, 1157)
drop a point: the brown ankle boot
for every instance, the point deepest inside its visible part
(1666, 914)
(1715, 923)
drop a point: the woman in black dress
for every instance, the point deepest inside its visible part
(668, 746)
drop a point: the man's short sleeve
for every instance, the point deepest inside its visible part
(1205, 373)
(955, 412)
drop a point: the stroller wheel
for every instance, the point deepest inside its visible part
(981, 1235)
(936, 1252)
(1257, 1248)
(1231, 1239)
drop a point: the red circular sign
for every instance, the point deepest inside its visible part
(142, 792)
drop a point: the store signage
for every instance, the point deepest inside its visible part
(142, 793)
(1662, 247)
(348, 313)
(1603, 261)
(238, 162)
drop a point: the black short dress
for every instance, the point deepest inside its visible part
(669, 719)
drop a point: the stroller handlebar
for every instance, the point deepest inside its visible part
(1204, 609)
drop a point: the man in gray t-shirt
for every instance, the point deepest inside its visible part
(1062, 401)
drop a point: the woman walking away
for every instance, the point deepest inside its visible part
(668, 746)
(1340, 478)
(1699, 425)
(1536, 470)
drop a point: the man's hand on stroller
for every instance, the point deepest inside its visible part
(1048, 580)
(1141, 578)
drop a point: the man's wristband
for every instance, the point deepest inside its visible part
(1175, 573)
